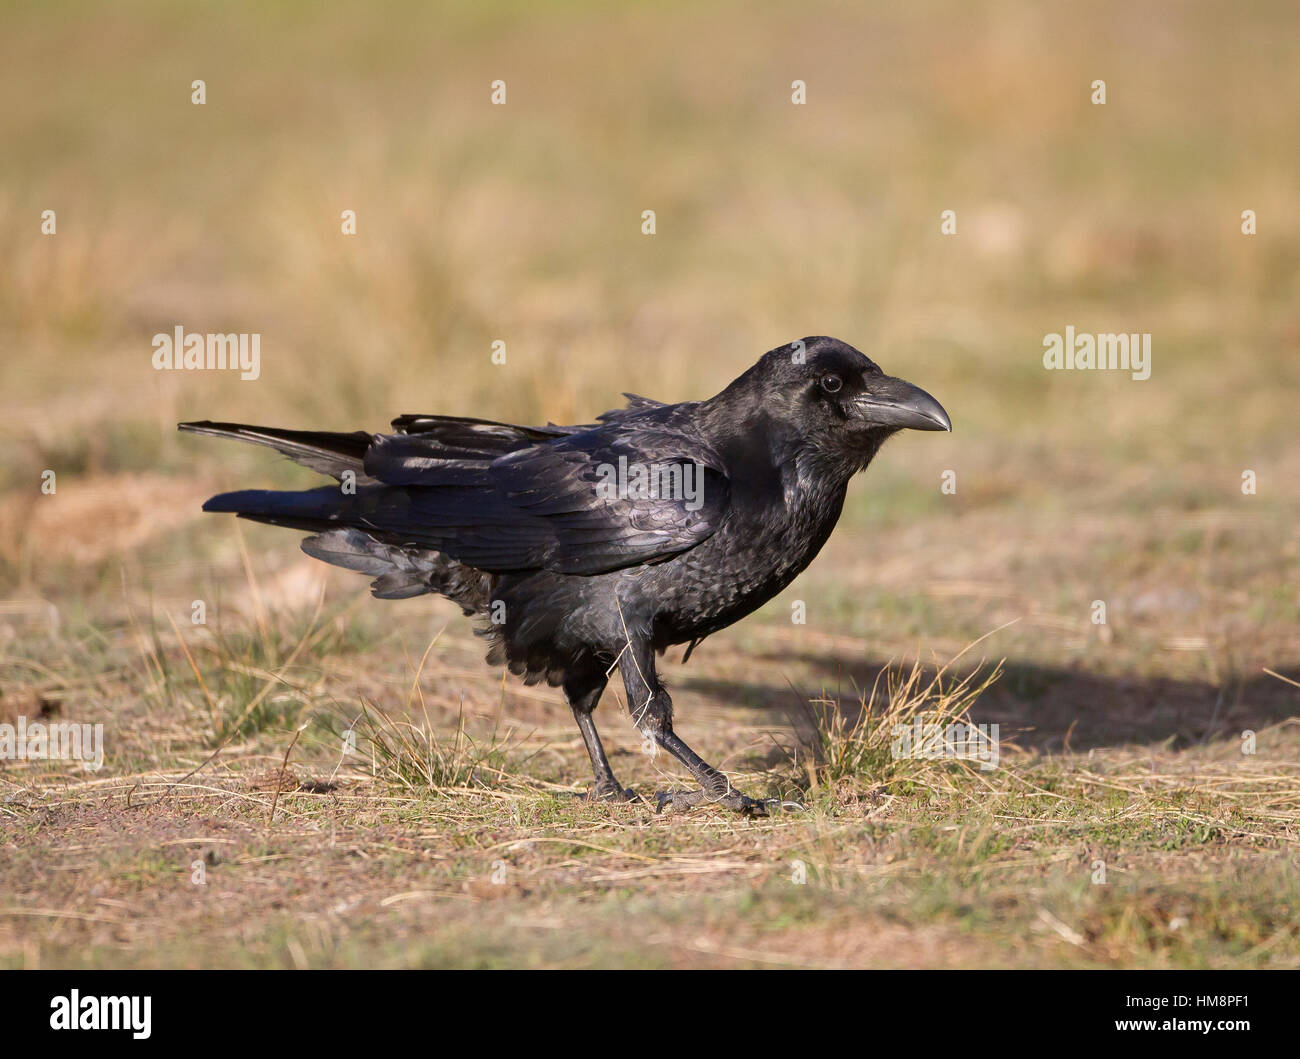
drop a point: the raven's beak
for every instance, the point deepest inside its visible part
(895, 403)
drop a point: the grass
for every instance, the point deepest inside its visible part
(843, 747)
(450, 838)
(413, 755)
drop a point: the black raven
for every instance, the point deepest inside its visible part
(586, 547)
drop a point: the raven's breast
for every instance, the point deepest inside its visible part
(734, 572)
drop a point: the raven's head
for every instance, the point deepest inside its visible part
(832, 402)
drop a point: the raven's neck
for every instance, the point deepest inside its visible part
(757, 445)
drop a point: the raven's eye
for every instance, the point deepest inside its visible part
(832, 383)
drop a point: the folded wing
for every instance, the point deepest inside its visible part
(637, 488)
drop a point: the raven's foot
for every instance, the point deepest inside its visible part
(608, 792)
(729, 799)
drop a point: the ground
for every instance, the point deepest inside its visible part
(1145, 806)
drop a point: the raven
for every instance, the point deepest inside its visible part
(594, 546)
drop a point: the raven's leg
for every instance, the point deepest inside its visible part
(583, 693)
(652, 713)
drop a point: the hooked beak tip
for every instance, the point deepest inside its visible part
(906, 407)
(941, 420)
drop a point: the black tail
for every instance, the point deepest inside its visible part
(343, 520)
(324, 451)
(313, 509)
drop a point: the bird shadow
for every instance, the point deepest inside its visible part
(1047, 708)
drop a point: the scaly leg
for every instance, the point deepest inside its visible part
(583, 693)
(652, 713)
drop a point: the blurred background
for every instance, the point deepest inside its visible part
(522, 223)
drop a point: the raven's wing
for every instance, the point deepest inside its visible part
(639, 487)
(609, 497)
(636, 405)
(464, 436)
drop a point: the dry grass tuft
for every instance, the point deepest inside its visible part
(866, 745)
(412, 755)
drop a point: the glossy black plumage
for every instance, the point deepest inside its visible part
(521, 525)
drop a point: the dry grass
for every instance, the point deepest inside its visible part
(844, 746)
(449, 836)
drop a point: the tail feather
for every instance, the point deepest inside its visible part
(328, 452)
(311, 509)
(401, 571)
(344, 523)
